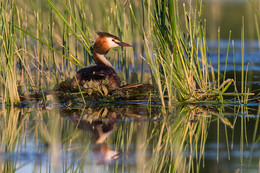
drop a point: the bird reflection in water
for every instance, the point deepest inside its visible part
(101, 131)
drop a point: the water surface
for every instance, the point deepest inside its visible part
(127, 138)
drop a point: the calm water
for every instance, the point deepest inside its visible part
(130, 138)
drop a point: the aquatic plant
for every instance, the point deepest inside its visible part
(178, 53)
(9, 88)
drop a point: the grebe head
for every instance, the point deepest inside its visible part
(106, 41)
(103, 44)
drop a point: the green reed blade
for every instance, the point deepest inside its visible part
(75, 63)
(78, 27)
(229, 38)
(68, 25)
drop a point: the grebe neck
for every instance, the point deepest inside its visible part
(100, 59)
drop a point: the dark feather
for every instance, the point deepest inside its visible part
(98, 74)
(104, 34)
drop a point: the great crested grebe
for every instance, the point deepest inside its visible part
(104, 69)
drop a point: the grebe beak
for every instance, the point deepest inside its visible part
(120, 43)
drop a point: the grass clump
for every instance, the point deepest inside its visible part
(178, 53)
(9, 88)
(179, 63)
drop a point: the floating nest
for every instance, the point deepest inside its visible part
(94, 92)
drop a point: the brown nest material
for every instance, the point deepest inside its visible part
(92, 91)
